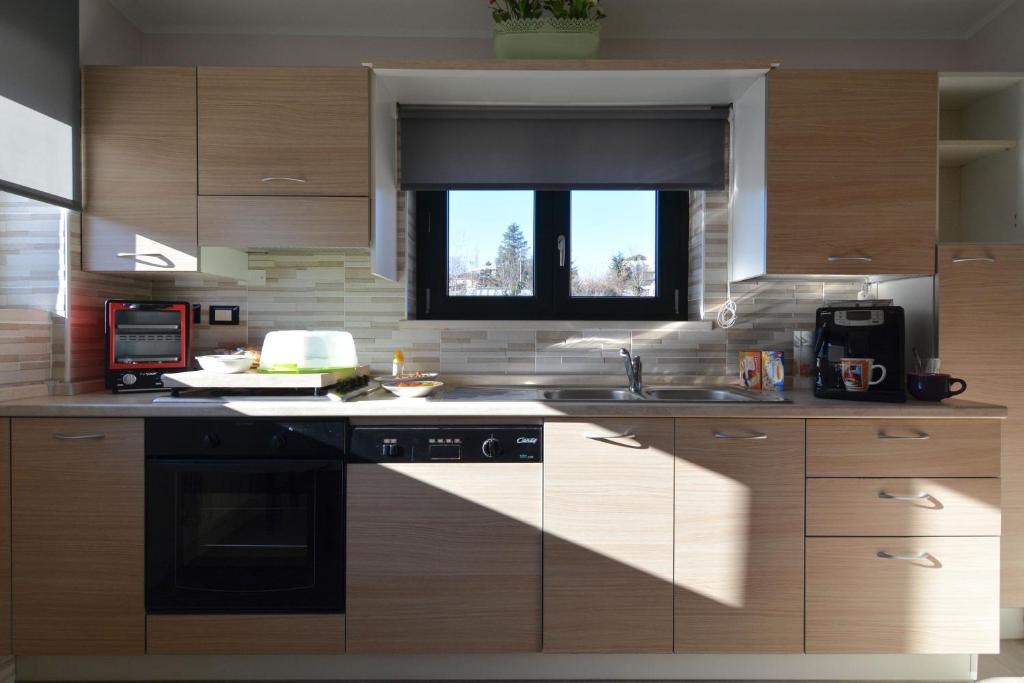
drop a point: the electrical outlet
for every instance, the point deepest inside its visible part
(224, 315)
(257, 278)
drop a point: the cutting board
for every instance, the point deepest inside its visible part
(203, 379)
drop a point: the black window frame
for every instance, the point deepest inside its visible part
(552, 299)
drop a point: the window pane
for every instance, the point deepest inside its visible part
(613, 236)
(490, 243)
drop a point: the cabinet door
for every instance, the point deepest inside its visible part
(902, 595)
(139, 169)
(608, 536)
(5, 537)
(979, 340)
(739, 536)
(284, 131)
(77, 490)
(852, 167)
(284, 222)
(443, 558)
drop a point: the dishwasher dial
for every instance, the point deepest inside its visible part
(491, 448)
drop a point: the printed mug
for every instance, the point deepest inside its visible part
(857, 373)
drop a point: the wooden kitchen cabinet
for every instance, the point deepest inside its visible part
(851, 172)
(139, 169)
(5, 537)
(981, 286)
(443, 558)
(284, 222)
(77, 508)
(739, 536)
(902, 595)
(608, 535)
(245, 634)
(284, 131)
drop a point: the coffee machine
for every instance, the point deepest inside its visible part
(859, 349)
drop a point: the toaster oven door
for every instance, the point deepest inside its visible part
(148, 336)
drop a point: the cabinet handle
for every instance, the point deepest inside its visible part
(752, 437)
(78, 437)
(290, 179)
(836, 259)
(972, 259)
(602, 437)
(882, 555)
(888, 496)
(917, 437)
(136, 254)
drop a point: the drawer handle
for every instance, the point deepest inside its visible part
(974, 259)
(888, 496)
(603, 437)
(751, 437)
(289, 179)
(883, 555)
(917, 437)
(837, 259)
(78, 437)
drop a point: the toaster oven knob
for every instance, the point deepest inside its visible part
(211, 440)
(129, 379)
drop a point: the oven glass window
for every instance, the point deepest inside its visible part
(242, 531)
(147, 336)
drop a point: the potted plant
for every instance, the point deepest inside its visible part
(546, 29)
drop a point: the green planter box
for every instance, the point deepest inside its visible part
(547, 39)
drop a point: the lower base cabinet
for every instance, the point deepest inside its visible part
(883, 595)
(245, 634)
(77, 489)
(739, 536)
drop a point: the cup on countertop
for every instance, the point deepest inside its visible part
(933, 386)
(858, 373)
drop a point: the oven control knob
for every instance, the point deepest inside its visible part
(129, 379)
(277, 442)
(491, 448)
(211, 440)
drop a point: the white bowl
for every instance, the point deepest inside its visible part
(422, 388)
(225, 365)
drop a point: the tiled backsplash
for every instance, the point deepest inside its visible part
(335, 290)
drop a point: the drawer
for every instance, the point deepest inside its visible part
(903, 448)
(245, 634)
(903, 507)
(932, 596)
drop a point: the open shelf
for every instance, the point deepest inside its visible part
(962, 152)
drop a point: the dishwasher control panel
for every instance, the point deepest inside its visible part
(506, 444)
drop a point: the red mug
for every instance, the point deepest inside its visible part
(934, 386)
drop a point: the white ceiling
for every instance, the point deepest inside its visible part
(857, 19)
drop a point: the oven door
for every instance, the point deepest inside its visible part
(244, 536)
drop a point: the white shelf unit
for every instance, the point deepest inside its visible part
(981, 160)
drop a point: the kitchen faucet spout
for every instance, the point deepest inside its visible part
(634, 371)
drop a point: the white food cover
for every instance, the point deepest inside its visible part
(308, 351)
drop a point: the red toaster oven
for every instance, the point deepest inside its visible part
(145, 340)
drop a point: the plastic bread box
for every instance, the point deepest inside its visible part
(299, 351)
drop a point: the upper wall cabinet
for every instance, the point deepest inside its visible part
(139, 169)
(284, 131)
(851, 158)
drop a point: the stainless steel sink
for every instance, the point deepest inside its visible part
(589, 394)
(704, 395)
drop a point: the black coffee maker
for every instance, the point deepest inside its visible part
(849, 332)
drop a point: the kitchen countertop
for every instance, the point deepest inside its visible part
(379, 404)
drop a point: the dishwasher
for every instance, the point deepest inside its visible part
(444, 539)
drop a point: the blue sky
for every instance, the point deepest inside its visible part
(603, 223)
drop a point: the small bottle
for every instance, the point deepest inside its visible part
(398, 364)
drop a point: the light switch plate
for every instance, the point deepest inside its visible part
(224, 315)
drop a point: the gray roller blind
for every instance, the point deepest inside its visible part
(560, 148)
(39, 99)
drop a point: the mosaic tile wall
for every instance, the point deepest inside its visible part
(336, 290)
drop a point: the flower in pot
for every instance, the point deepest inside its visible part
(546, 29)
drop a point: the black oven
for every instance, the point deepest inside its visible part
(245, 515)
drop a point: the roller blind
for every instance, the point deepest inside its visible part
(39, 99)
(561, 148)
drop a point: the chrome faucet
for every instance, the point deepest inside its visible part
(634, 371)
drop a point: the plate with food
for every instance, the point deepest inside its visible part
(407, 376)
(415, 388)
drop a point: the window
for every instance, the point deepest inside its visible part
(572, 255)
